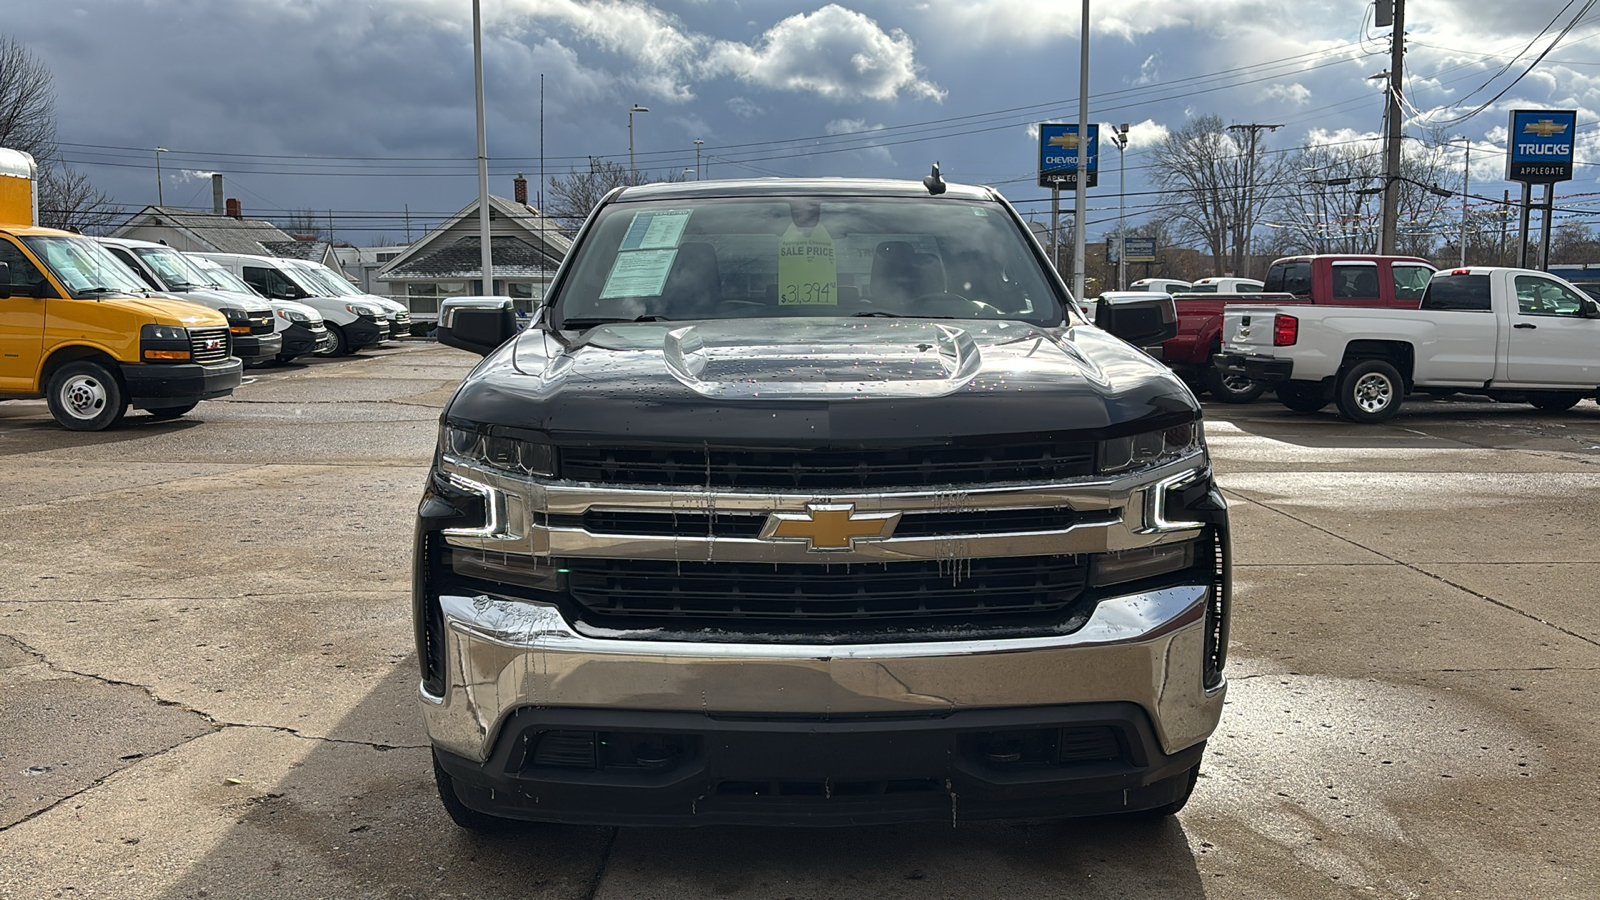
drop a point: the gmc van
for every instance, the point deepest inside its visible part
(355, 325)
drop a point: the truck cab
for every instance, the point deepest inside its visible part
(250, 317)
(81, 331)
(1351, 279)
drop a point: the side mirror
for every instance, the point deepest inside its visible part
(1143, 321)
(477, 324)
(5, 281)
(1589, 306)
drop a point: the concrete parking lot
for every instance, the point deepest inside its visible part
(207, 677)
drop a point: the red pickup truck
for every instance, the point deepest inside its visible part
(1345, 279)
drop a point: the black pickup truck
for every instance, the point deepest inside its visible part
(816, 502)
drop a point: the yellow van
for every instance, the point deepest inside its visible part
(80, 330)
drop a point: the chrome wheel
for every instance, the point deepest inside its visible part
(83, 396)
(1373, 392)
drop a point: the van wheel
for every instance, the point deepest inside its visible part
(1303, 396)
(339, 346)
(1555, 401)
(1232, 388)
(1370, 392)
(463, 815)
(85, 396)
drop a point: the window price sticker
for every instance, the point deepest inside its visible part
(638, 273)
(655, 229)
(807, 272)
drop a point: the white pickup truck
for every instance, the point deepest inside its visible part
(1486, 330)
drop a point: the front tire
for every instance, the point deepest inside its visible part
(85, 396)
(339, 346)
(1555, 401)
(1232, 388)
(1303, 396)
(171, 412)
(1370, 392)
(463, 815)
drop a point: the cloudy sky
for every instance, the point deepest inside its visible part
(366, 108)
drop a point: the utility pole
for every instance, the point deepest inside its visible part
(697, 145)
(1393, 127)
(1080, 205)
(1121, 138)
(1249, 219)
(159, 151)
(487, 256)
(1466, 183)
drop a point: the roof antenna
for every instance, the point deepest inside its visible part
(933, 182)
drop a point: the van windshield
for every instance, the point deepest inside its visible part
(221, 278)
(732, 258)
(332, 285)
(84, 266)
(173, 267)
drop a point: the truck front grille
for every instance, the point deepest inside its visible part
(748, 525)
(829, 468)
(209, 345)
(261, 322)
(720, 592)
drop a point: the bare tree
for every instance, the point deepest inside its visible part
(68, 201)
(1329, 199)
(27, 102)
(305, 224)
(1217, 188)
(573, 195)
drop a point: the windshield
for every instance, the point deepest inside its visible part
(331, 284)
(173, 268)
(221, 278)
(83, 265)
(730, 258)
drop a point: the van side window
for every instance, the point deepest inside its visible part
(126, 259)
(1462, 292)
(270, 282)
(26, 279)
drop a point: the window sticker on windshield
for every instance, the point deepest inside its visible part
(808, 275)
(638, 273)
(655, 229)
(982, 213)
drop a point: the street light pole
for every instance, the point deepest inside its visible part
(697, 145)
(1466, 183)
(1081, 192)
(486, 256)
(633, 172)
(159, 151)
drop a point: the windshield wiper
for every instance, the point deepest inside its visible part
(584, 324)
(101, 290)
(879, 314)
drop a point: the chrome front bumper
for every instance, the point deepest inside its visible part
(1145, 648)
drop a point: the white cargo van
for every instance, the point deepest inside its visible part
(398, 314)
(301, 327)
(354, 324)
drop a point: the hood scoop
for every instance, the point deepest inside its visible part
(822, 360)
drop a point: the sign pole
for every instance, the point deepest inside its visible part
(1549, 221)
(1055, 227)
(1522, 238)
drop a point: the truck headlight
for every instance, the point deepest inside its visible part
(164, 343)
(238, 320)
(507, 454)
(1151, 448)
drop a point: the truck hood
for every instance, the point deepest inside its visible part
(821, 381)
(221, 299)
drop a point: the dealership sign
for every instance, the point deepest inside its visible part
(1540, 145)
(1139, 249)
(1058, 156)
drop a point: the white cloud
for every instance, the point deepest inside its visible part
(834, 52)
(859, 128)
(744, 108)
(1295, 93)
(1149, 70)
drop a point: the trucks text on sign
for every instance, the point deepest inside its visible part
(1540, 145)
(1058, 155)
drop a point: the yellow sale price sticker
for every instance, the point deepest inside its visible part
(808, 275)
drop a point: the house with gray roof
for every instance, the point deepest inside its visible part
(208, 232)
(448, 262)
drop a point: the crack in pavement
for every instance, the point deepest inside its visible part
(600, 870)
(1421, 571)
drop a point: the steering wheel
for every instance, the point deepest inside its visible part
(944, 303)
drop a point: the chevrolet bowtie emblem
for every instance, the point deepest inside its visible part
(1545, 128)
(1068, 140)
(829, 526)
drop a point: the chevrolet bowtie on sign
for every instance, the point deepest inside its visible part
(1540, 149)
(1058, 155)
(829, 526)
